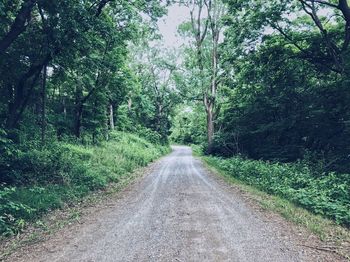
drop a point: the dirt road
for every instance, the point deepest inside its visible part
(178, 212)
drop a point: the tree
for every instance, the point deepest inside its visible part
(189, 124)
(329, 20)
(206, 33)
(155, 103)
(288, 94)
(83, 47)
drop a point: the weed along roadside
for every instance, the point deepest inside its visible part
(63, 174)
(274, 187)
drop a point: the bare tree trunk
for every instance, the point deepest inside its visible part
(43, 104)
(78, 117)
(200, 34)
(210, 128)
(111, 117)
(129, 104)
(215, 11)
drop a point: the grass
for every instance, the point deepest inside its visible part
(62, 174)
(327, 195)
(60, 218)
(326, 229)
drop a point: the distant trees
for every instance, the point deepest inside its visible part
(206, 29)
(272, 77)
(157, 97)
(189, 125)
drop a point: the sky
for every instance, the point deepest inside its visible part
(169, 23)
(177, 15)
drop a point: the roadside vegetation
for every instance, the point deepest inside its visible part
(336, 237)
(79, 108)
(327, 195)
(50, 177)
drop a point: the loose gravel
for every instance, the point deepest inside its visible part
(177, 212)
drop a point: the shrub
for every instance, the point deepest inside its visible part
(9, 210)
(45, 177)
(326, 194)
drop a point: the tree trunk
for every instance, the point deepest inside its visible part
(159, 117)
(64, 110)
(79, 105)
(78, 117)
(19, 103)
(19, 25)
(129, 104)
(111, 117)
(210, 127)
(43, 104)
(209, 108)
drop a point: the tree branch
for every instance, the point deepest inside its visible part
(18, 26)
(326, 3)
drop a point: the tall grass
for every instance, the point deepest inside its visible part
(323, 194)
(60, 173)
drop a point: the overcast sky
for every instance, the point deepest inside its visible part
(169, 23)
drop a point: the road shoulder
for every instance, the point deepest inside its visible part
(58, 224)
(328, 242)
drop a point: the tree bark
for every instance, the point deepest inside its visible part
(43, 105)
(159, 116)
(78, 117)
(20, 101)
(129, 104)
(111, 117)
(19, 25)
(214, 14)
(210, 127)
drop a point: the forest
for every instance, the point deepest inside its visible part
(89, 93)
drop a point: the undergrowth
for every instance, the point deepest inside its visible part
(327, 195)
(41, 179)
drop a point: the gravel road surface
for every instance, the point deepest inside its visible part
(178, 212)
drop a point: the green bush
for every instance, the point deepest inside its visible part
(9, 210)
(326, 194)
(46, 177)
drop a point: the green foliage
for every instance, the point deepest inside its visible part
(48, 177)
(287, 82)
(84, 46)
(43, 164)
(150, 108)
(127, 122)
(9, 209)
(327, 195)
(281, 107)
(150, 135)
(188, 126)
